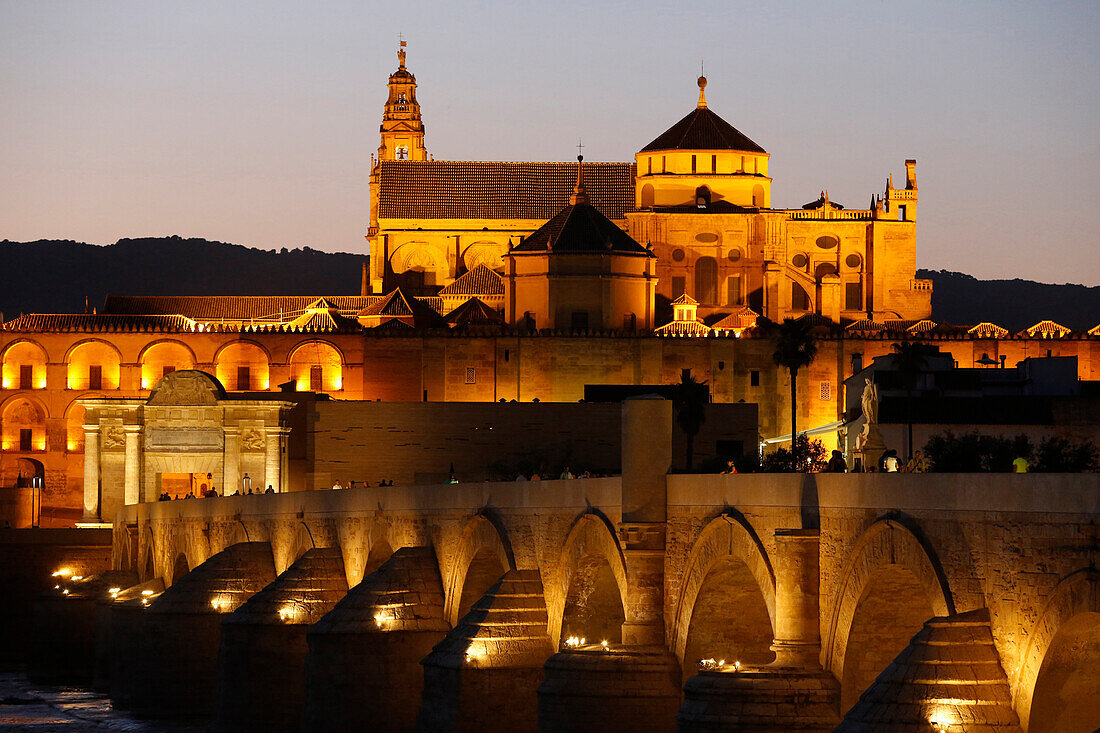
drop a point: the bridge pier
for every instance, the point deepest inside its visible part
(791, 693)
(261, 683)
(63, 628)
(118, 634)
(363, 670)
(176, 662)
(484, 675)
(614, 689)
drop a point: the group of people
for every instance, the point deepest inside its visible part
(887, 463)
(361, 484)
(566, 474)
(211, 493)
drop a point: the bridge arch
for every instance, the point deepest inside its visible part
(892, 583)
(591, 551)
(147, 564)
(483, 555)
(728, 556)
(1070, 618)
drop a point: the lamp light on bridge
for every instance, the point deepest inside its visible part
(65, 592)
(62, 573)
(737, 666)
(147, 593)
(574, 641)
(287, 614)
(603, 644)
(114, 592)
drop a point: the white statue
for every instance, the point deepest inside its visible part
(870, 402)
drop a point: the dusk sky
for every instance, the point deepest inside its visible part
(254, 122)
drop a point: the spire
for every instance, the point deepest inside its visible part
(580, 196)
(702, 92)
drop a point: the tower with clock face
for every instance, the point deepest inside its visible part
(402, 129)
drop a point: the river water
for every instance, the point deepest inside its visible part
(25, 706)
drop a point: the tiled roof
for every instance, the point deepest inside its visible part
(392, 304)
(478, 281)
(52, 322)
(702, 129)
(865, 325)
(231, 307)
(744, 318)
(474, 313)
(1046, 329)
(488, 190)
(684, 328)
(580, 228)
(685, 299)
(985, 329)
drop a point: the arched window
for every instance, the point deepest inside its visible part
(823, 269)
(24, 366)
(164, 358)
(242, 366)
(646, 201)
(702, 197)
(24, 426)
(757, 195)
(317, 366)
(94, 365)
(706, 280)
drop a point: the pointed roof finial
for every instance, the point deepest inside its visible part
(580, 196)
(702, 87)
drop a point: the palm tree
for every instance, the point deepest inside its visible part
(690, 402)
(794, 349)
(910, 359)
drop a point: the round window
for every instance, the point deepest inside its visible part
(734, 255)
(799, 260)
(677, 255)
(827, 242)
(706, 237)
(853, 261)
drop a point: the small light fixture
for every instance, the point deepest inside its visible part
(147, 593)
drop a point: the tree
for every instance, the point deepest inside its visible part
(806, 457)
(794, 349)
(911, 360)
(690, 402)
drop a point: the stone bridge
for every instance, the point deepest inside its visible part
(641, 602)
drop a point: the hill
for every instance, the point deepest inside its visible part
(51, 276)
(1014, 304)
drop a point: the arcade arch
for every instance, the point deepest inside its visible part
(24, 366)
(1058, 681)
(93, 365)
(482, 557)
(727, 604)
(588, 600)
(317, 366)
(180, 568)
(892, 584)
(164, 357)
(242, 366)
(74, 427)
(23, 425)
(891, 610)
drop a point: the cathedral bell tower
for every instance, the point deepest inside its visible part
(402, 130)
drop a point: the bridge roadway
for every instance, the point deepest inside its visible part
(938, 598)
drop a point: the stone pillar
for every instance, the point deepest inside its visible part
(91, 473)
(773, 275)
(831, 296)
(273, 459)
(231, 462)
(646, 459)
(797, 640)
(132, 491)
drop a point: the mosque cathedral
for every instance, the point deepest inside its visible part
(506, 281)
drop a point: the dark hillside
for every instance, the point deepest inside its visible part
(56, 276)
(1014, 304)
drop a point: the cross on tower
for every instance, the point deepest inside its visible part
(580, 146)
